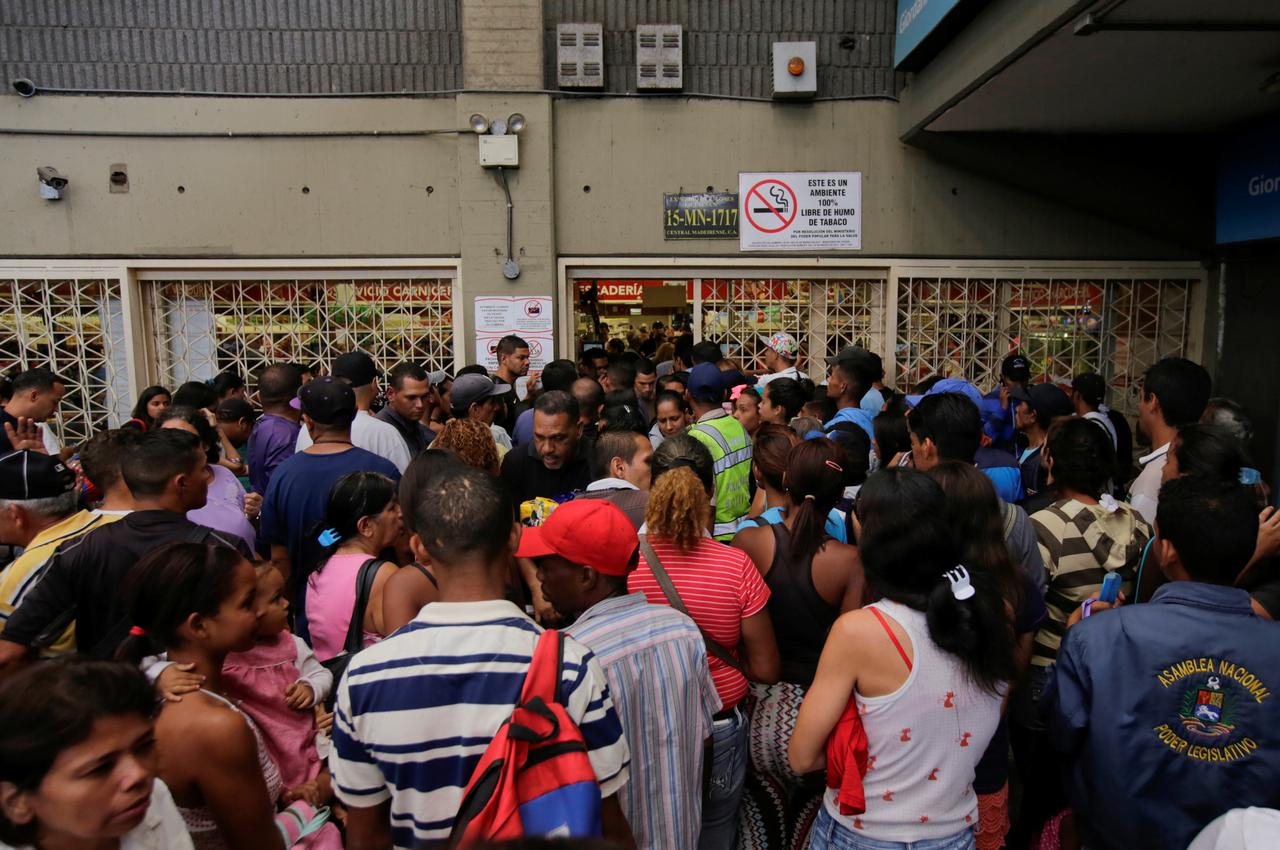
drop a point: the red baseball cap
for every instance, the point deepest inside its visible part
(587, 532)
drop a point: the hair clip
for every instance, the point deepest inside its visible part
(137, 631)
(1109, 503)
(329, 536)
(1249, 477)
(831, 464)
(961, 588)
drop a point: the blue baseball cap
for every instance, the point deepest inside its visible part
(950, 385)
(706, 382)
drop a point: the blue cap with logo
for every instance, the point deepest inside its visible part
(706, 382)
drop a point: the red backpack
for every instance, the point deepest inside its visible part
(535, 777)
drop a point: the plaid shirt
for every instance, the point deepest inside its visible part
(656, 664)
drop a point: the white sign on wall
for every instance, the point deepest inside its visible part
(800, 211)
(527, 317)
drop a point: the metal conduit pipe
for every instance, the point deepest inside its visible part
(27, 88)
(230, 134)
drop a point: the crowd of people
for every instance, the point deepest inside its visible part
(654, 598)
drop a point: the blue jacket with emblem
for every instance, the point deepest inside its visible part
(1167, 716)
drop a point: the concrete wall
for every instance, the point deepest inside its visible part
(241, 197)
(629, 152)
(369, 196)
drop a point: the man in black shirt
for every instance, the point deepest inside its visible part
(168, 475)
(551, 465)
(36, 395)
(408, 389)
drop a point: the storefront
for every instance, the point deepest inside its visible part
(113, 329)
(958, 319)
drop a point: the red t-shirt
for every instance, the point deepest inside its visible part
(721, 587)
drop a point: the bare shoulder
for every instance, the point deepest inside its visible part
(835, 553)
(205, 728)
(854, 625)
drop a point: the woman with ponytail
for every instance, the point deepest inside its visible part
(197, 603)
(722, 591)
(977, 521)
(783, 399)
(812, 579)
(361, 522)
(928, 666)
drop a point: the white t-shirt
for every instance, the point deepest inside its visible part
(1102, 421)
(161, 828)
(789, 372)
(373, 435)
(1144, 494)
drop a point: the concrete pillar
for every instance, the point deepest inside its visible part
(502, 51)
(502, 44)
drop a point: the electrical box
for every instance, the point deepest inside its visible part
(580, 56)
(499, 151)
(795, 69)
(660, 57)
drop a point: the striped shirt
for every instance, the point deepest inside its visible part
(1080, 544)
(17, 579)
(721, 587)
(415, 712)
(656, 663)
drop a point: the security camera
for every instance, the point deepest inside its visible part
(52, 183)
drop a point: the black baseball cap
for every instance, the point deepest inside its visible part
(27, 475)
(1047, 400)
(329, 401)
(1016, 367)
(1091, 386)
(356, 367)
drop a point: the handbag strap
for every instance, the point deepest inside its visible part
(673, 596)
(364, 589)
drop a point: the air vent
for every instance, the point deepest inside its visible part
(660, 57)
(580, 56)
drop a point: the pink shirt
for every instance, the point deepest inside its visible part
(721, 587)
(331, 594)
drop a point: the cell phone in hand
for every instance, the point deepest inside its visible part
(1110, 588)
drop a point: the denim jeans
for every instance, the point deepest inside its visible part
(728, 778)
(830, 834)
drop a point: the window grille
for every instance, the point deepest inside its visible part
(824, 315)
(965, 326)
(75, 327)
(207, 326)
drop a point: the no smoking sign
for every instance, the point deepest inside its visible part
(800, 211)
(770, 206)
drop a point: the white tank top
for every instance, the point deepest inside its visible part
(923, 743)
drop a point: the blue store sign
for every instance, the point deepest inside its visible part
(916, 20)
(1249, 187)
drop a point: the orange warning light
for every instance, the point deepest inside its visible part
(796, 66)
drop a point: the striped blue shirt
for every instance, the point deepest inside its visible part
(656, 662)
(415, 712)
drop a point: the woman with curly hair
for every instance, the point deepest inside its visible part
(722, 591)
(471, 441)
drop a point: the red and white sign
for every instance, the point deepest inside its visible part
(800, 211)
(529, 318)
